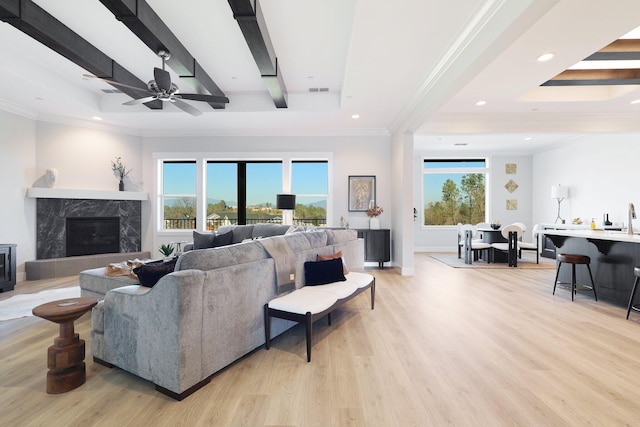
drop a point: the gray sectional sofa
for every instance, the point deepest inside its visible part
(209, 312)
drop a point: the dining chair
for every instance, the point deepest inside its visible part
(534, 245)
(512, 233)
(472, 247)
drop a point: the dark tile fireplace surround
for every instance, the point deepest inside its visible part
(51, 223)
(52, 255)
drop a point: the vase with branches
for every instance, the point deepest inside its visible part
(119, 170)
(373, 213)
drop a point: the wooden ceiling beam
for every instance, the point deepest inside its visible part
(619, 50)
(596, 77)
(37, 23)
(142, 20)
(254, 29)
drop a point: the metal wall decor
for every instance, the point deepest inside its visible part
(511, 186)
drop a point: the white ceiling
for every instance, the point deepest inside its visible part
(403, 65)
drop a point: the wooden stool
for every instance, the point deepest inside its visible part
(65, 358)
(636, 272)
(574, 259)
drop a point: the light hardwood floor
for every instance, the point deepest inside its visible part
(444, 347)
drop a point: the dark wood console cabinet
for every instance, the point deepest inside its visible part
(377, 245)
(7, 267)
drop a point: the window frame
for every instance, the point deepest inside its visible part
(459, 170)
(161, 196)
(201, 159)
(298, 195)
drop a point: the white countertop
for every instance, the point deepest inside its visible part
(616, 236)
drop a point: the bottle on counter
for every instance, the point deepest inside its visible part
(593, 223)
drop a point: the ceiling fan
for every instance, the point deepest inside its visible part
(161, 88)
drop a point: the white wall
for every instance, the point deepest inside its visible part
(351, 156)
(17, 163)
(443, 239)
(601, 171)
(83, 157)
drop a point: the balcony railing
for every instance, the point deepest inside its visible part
(214, 224)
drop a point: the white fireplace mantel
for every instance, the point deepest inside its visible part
(67, 193)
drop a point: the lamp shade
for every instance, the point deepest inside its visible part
(559, 192)
(286, 201)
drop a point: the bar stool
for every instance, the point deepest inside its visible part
(636, 272)
(574, 259)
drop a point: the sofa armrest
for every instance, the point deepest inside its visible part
(157, 334)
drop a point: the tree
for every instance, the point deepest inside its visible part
(473, 189)
(451, 200)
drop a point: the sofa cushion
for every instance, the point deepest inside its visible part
(240, 232)
(338, 254)
(323, 272)
(150, 273)
(209, 259)
(300, 242)
(335, 237)
(268, 230)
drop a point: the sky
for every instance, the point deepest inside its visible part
(264, 180)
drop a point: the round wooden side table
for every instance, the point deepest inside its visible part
(65, 358)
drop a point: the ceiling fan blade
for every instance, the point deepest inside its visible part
(113, 82)
(163, 79)
(202, 97)
(140, 100)
(186, 107)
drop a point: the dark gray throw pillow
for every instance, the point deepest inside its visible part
(203, 240)
(223, 239)
(151, 272)
(211, 240)
(323, 272)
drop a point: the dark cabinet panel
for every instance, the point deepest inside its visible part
(7, 267)
(377, 245)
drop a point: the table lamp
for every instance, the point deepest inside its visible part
(286, 202)
(559, 193)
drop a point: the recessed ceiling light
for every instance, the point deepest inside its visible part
(355, 116)
(97, 118)
(528, 138)
(545, 57)
(481, 103)
(635, 101)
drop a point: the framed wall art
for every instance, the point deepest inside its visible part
(362, 192)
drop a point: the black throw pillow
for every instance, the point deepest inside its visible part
(323, 272)
(151, 272)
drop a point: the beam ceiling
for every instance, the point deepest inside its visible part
(140, 18)
(34, 21)
(619, 50)
(254, 29)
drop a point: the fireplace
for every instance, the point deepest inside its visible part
(52, 223)
(92, 235)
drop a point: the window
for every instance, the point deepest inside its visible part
(454, 191)
(240, 192)
(178, 195)
(310, 184)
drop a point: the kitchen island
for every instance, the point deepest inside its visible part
(613, 255)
